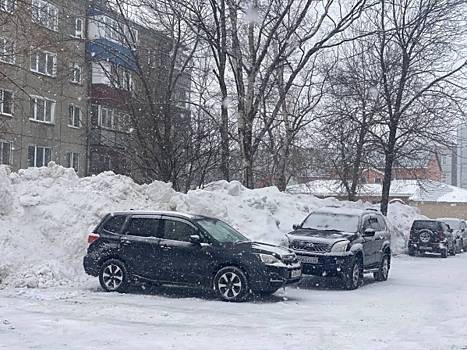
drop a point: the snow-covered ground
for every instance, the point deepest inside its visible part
(422, 306)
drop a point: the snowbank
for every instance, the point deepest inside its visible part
(46, 214)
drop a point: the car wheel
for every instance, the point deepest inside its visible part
(231, 284)
(383, 272)
(444, 253)
(353, 277)
(453, 250)
(113, 276)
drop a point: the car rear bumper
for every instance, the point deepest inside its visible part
(90, 266)
(325, 265)
(429, 247)
(274, 277)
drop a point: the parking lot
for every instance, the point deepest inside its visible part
(423, 305)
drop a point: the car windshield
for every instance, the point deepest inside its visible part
(331, 222)
(454, 224)
(221, 232)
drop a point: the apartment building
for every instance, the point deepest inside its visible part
(69, 73)
(43, 84)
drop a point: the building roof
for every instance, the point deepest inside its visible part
(415, 190)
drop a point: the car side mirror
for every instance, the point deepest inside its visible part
(450, 230)
(369, 232)
(195, 239)
(296, 226)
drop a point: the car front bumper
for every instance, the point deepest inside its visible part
(325, 265)
(273, 277)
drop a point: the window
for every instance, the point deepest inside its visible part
(109, 28)
(42, 109)
(45, 14)
(6, 102)
(151, 58)
(76, 73)
(7, 51)
(79, 28)
(5, 153)
(72, 160)
(74, 116)
(177, 230)
(44, 62)
(7, 5)
(122, 78)
(114, 223)
(106, 117)
(39, 156)
(145, 227)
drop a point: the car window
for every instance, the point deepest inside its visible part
(177, 230)
(425, 224)
(381, 223)
(114, 223)
(144, 227)
(462, 225)
(370, 221)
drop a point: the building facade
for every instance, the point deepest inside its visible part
(68, 78)
(43, 84)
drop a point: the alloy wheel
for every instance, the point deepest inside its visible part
(229, 285)
(112, 276)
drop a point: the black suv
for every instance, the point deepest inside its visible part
(182, 249)
(343, 242)
(431, 236)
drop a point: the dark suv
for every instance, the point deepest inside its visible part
(431, 236)
(343, 242)
(182, 249)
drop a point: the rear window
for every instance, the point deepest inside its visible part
(114, 223)
(421, 224)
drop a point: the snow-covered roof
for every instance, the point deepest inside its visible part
(415, 190)
(341, 211)
(158, 212)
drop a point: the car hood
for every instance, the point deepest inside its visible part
(263, 248)
(317, 236)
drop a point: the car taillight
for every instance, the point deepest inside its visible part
(93, 237)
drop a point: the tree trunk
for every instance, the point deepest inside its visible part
(389, 161)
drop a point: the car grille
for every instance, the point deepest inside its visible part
(310, 246)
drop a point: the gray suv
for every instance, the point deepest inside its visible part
(343, 242)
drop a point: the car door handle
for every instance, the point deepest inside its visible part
(125, 242)
(165, 247)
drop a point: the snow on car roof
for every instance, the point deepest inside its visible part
(344, 211)
(158, 212)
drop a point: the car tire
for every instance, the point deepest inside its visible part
(453, 251)
(231, 284)
(383, 272)
(353, 277)
(113, 276)
(444, 253)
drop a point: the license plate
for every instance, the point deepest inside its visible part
(295, 273)
(426, 248)
(309, 259)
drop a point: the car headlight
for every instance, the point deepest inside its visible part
(269, 259)
(340, 247)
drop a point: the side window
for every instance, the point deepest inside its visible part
(381, 223)
(177, 230)
(366, 223)
(114, 223)
(143, 227)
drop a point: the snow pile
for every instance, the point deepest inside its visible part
(46, 214)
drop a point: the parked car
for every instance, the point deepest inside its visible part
(459, 228)
(342, 242)
(431, 236)
(182, 249)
